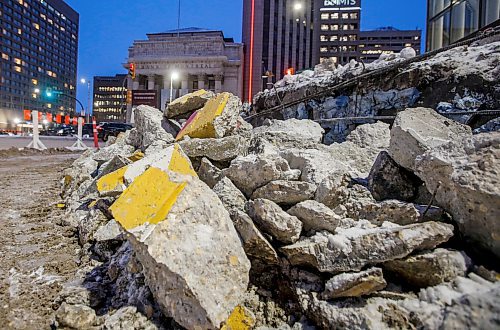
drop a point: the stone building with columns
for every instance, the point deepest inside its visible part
(203, 59)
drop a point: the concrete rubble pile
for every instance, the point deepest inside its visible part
(226, 226)
(461, 79)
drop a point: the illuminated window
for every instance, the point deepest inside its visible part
(354, 15)
(345, 16)
(335, 16)
(19, 31)
(323, 49)
(17, 61)
(334, 27)
(324, 27)
(37, 26)
(325, 16)
(17, 68)
(5, 56)
(49, 105)
(34, 81)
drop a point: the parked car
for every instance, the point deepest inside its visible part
(65, 131)
(87, 130)
(105, 130)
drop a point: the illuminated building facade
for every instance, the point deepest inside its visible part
(339, 29)
(387, 40)
(38, 50)
(450, 21)
(110, 94)
(277, 35)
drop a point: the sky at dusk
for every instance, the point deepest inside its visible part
(108, 27)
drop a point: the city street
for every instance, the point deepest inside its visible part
(7, 142)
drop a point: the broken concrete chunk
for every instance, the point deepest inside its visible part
(255, 244)
(315, 216)
(394, 211)
(112, 184)
(354, 248)
(171, 158)
(241, 318)
(209, 173)
(108, 232)
(218, 117)
(371, 136)
(354, 284)
(333, 190)
(188, 103)
(230, 196)
(466, 175)
(292, 133)
(387, 180)
(254, 171)
(114, 164)
(418, 130)
(286, 192)
(107, 153)
(430, 268)
(76, 316)
(274, 221)
(172, 219)
(220, 150)
(148, 123)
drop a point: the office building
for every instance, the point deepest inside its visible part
(38, 51)
(450, 21)
(110, 95)
(201, 59)
(284, 36)
(277, 36)
(387, 40)
(339, 29)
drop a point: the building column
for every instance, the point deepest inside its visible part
(201, 81)
(218, 83)
(151, 82)
(184, 86)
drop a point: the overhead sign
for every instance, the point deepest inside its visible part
(341, 3)
(145, 97)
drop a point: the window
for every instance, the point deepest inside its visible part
(491, 11)
(324, 27)
(5, 56)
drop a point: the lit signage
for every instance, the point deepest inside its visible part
(341, 3)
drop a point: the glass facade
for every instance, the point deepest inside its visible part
(38, 50)
(452, 20)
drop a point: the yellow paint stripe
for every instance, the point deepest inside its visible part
(148, 199)
(180, 164)
(111, 181)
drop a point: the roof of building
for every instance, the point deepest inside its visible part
(190, 30)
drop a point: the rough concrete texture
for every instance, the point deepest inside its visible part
(255, 244)
(148, 123)
(188, 103)
(286, 192)
(315, 216)
(354, 284)
(209, 173)
(466, 175)
(430, 268)
(230, 196)
(199, 229)
(220, 150)
(354, 248)
(274, 221)
(254, 171)
(292, 133)
(387, 180)
(418, 130)
(333, 190)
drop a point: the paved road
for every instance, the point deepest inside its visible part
(38, 253)
(7, 142)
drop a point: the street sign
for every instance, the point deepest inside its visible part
(145, 97)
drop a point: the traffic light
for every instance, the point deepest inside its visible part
(131, 70)
(129, 97)
(48, 92)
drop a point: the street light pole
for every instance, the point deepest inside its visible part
(173, 76)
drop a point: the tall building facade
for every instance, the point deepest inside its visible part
(202, 59)
(387, 40)
(282, 36)
(339, 29)
(38, 51)
(277, 35)
(450, 21)
(110, 95)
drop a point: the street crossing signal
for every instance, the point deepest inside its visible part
(131, 70)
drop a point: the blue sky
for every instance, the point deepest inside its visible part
(108, 27)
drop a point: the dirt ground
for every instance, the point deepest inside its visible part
(37, 254)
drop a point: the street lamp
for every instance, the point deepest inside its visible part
(297, 6)
(37, 90)
(173, 76)
(17, 121)
(85, 81)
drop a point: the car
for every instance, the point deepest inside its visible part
(105, 130)
(65, 131)
(87, 130)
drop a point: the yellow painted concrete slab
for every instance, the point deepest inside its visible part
(240, 319)
(138, 155)
(202, 126)
(148, 199)
(111, 181)
(180, 164)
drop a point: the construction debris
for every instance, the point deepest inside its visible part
(235, 227)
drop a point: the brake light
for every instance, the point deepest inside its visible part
(99, 128)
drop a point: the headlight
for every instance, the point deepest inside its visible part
(60, 131)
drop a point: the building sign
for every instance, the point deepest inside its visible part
(341, 3)
(145, 97)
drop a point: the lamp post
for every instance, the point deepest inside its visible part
(84, 81)
(173, 76)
